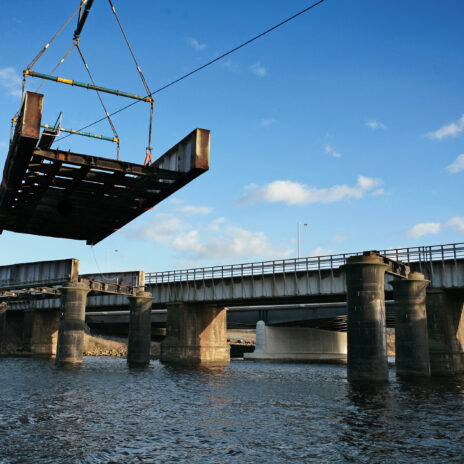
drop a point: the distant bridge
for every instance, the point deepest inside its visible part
(317, 279)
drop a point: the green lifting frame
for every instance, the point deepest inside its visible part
(62, 80)
(76, 132)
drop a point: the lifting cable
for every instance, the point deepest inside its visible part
(148, 156)
(116, 136)
(56, 67)
(44, 49)
(209, 63)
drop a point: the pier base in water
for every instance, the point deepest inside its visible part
(44, 333)
(411, 338)
(70, 345)
(367, 344)
(138, 349)
(445, 320)
(195, 334)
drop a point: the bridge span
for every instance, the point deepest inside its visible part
(315, 279)
(425, 286)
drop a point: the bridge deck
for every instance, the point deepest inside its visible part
(69, 195)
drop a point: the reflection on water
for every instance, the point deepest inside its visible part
(104, 412)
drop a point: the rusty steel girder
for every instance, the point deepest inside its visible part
(62, 194)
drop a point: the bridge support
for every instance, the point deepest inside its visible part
(367, 344)
(195, 333)
(70, 345)
(138, 349)
(44, 333)
(445, 320)
(289, 344)
(411, 337)
(3, 309)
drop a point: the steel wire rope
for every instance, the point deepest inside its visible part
(203, 66)
(99, 96)
(57, 66)
(44, 49)
(142, 77)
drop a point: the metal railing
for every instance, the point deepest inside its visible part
(422, 254)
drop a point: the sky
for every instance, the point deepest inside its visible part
(349, 119)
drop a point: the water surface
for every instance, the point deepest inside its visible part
(246, 412)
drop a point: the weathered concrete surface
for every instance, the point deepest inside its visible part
(411, 337)
(3, 309)
(298, 344)
(138, 350)
(367, 344)
(70, 345)
(445, 321)
(292, 286)
(44, 336)
(195, 333)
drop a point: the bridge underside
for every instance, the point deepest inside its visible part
(68, 195)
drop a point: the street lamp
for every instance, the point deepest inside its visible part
(298, 235)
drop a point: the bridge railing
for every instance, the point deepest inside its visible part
(421, 255)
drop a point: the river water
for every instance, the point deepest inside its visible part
(246, 412)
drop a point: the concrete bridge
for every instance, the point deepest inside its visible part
(429, 337)
(318, 279)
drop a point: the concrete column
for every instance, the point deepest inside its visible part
(138, 348)
(445, 321)
(3, 309)
(70, 345)
(28, 321)
(411, 337)
(367, 343)
(45, 333)
(195, 333)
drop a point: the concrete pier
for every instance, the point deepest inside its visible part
(70, 345)
(3, 309)
(411, 337)
(367, 344)
(28, 321)
(195, 333)
(298, 344)
(445, 321)
(138, 349)
(44, 336)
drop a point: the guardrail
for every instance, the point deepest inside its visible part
(423, 254)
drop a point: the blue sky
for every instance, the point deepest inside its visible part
(349, 118)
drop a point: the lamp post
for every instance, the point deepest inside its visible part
(298, 235)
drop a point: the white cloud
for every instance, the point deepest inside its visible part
(450, 130)
(378, 192)
(11, 81)
(457, 165)
(217, 240)
(423, 228)
(295, 193)
(319, 251)
(215, 224)
(268, 122)
(330, 151)
(374, 124)
(190, 210)
(232, 242)
(339, 238)
(163, 227)
(197, 46)
(457, 223)
(258, 69)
